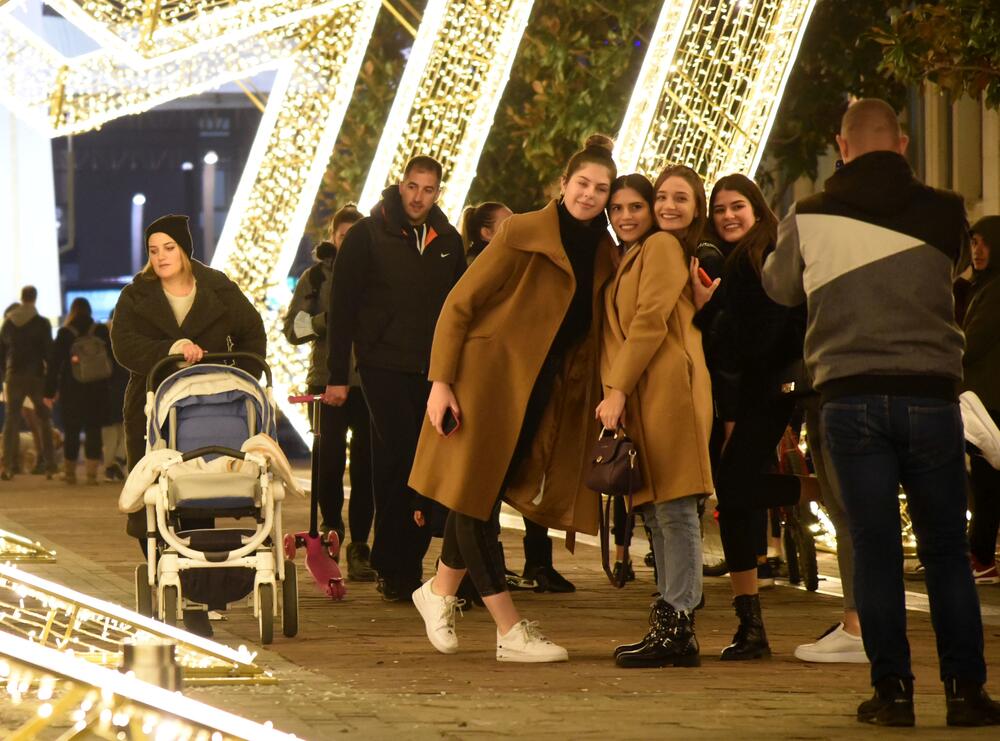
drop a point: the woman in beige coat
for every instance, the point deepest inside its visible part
(656, 386)
(514, 366)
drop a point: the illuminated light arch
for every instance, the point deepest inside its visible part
(710, 85)
(316, 47)
(449, 92)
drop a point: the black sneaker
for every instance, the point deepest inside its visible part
(197, 622)
(891, 705)
(629, 572)
(548, 579)
(516, 583)
(396, 591)
(969, 705)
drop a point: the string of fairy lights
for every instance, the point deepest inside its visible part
(448, 95)
(708, 95)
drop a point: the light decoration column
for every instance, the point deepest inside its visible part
(457, 71)
(710, 85)
(74, 699)
(154, 52)
(52, 615)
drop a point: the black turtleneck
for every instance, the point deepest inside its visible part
(580, 242)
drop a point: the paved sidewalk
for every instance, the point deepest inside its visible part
(364, 667)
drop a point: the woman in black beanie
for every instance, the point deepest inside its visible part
(176, 305)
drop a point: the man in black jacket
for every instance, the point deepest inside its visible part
(873, 256)
(25, 342)
(390, 280)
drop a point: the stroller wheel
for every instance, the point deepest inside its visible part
(143, 594)
(289, 543)
(265, 613)
(170, 599)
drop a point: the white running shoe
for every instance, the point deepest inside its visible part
(524, 643)
(439, 617)
(836, 646)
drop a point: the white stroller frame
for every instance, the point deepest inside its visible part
(169, 554)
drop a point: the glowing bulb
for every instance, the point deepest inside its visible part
(210, 158)
(139, 199)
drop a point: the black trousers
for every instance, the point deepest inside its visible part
(334, 424)
(743, 482)
(985, 505)
(93, 448)
(398, 402)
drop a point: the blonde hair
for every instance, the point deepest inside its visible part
(148, 272)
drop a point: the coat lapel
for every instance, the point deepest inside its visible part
(543, 237)
(153, 306)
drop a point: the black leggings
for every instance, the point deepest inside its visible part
(93, 446)
(743, 483)
(472, 544)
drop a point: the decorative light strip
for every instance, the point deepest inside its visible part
(15, 547)
(51, 614)
(710, 85)
(449, 92)
(76, 698)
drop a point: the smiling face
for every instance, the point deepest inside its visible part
(732, 215)
(166, 256)
(630, 215)
(675, 206)
(419, 191)
(585, 192)
(980, 253)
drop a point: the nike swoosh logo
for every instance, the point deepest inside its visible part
(445, 254)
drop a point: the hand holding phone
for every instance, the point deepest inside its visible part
(704, 277)
(450, 422)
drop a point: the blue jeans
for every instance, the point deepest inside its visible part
(877, 443)
(676, 542)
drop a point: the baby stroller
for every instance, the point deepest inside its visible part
(207, 458)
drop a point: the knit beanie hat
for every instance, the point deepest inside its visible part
(175, 227)
(988, 228)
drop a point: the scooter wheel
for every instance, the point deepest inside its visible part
(332, 541)
(289, 543)
(336, 589)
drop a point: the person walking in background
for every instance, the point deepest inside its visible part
(306, 321)
(751, 338)
(393, 273)
(113, 431)
(656, 386)
(25, 345)
(515, 383)
(875, 251)
(981, 364)
(78, 371)
(479, 226)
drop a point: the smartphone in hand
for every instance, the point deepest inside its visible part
(450, 422)
(704, 277)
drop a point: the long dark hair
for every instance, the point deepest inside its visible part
(762, 235)
(696, 230)
(641, 185)
(477, 218)
(79, 312)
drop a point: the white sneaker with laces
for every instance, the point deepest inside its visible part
(836, 646)
(524, 643)
(439, 617)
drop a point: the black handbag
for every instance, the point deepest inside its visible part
(614, 472)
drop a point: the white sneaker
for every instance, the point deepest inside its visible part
(525, 643)
(439, 617)
(836, 646)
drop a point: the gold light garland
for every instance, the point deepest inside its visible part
(53, 615)
(444, 107)
(83, 700)
(710, 85)
(14, 547)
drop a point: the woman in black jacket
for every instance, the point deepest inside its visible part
(750, 340)
(176, 305)
(82, 402)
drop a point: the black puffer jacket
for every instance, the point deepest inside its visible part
(221, 320)
(25, 341)
(387, 294)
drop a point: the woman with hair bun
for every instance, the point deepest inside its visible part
(480, 224)
(514, 368)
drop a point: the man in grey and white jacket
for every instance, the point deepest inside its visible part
(873, 256)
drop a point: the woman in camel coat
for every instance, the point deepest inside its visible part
(514, 361)
(656, 386)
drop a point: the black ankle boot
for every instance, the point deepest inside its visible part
(359, 567)
(891, 705)
(672, 643)
(750, 641)
(969, 705)
(656, 613)
(538, 567)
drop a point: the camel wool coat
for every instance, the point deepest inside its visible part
(494, 332)
(652, 352)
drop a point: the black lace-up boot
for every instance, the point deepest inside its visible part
(672, 643)
(750, 641)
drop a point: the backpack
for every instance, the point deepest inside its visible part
(89, 359)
